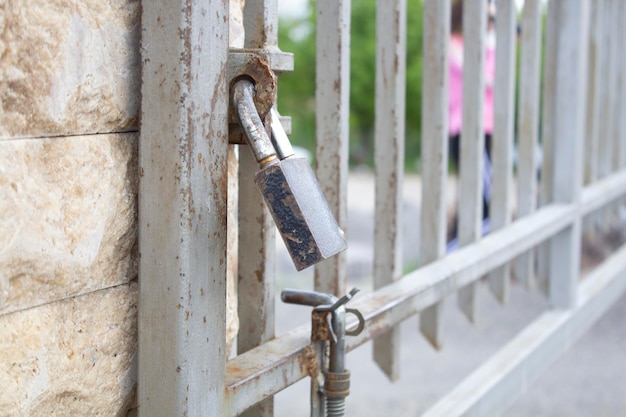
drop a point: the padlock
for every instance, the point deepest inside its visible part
(289, 187)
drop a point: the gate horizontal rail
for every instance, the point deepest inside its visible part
(273, 366)
(510, 372)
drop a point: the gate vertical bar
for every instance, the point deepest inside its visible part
(389, 158)
(617, 50)
(261, 24)
(434, 159)
(569, 128)
(257, 236)
(593, 109)
(528, 128)
(182, 208)
(332, 107)
(256, 269)
(622, 70)
(472, 139)
(502, 146)
(547, 133)
(236, 39)
(606, 90)
(597, 219)
(621, 120)
(593, 119)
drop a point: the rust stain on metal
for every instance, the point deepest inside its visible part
(309, 364)
(252, 65)
(259, 275)
(319, 327)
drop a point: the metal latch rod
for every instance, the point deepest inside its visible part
(329, 324)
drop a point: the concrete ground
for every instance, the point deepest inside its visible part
(589, 380)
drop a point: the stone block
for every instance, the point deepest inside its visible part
(69, 67)
(75, 357)
(67, 217)
(236, 30)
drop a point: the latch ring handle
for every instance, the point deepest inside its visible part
(361, 322)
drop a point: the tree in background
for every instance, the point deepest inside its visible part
(297, 90)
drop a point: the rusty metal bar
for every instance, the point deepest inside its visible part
(622, 108)
(257, 235)
(472, 138)
(607, 90)
(617, 52)
(269, 368)
(599, 221)
(256, 267)
(596, 68)
(547, 134)
(332, 110)
(332, 100)
(389, 159)
(598, 143)
(571, 78)
(434, 159)
(261, 24)
(502, 146)
(617, 146)
(528, 127)
(183, 208)
(594, 75)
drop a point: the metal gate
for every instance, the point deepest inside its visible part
(188, 221)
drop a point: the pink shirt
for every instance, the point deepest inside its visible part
(455, 86)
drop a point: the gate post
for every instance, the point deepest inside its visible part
(572, 18)
(182, 208)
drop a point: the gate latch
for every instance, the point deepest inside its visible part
(329, 325)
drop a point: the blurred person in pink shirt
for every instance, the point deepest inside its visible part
(455, 95)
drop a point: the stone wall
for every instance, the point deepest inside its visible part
(69, 109)
(69, 88)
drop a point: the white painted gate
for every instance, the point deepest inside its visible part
(186, 210)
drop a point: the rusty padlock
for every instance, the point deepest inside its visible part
(288, 184)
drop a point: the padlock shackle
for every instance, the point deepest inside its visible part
(243, 92)
(279, 137)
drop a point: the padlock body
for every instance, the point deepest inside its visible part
(300, 211)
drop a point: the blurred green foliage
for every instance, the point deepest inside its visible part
(296, 95)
